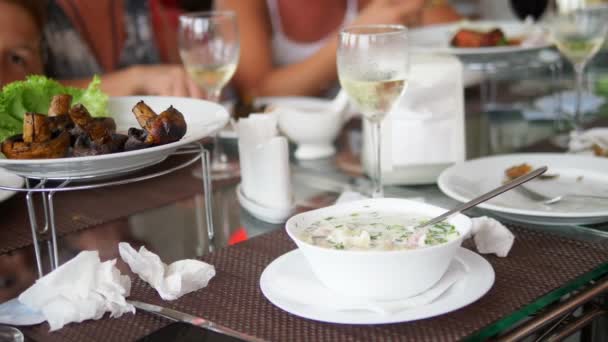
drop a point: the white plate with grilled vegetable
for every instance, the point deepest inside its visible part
(479, 38)
(201, 119)
(581, 181)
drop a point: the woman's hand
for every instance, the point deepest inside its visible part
(165, 80)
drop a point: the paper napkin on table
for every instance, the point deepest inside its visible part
(264, 159)
(489, 235)
(170, 281)
(587, 140)
(82, 288)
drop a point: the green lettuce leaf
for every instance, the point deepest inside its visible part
(93, 98)
(35, 94)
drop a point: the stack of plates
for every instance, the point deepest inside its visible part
(575, 175)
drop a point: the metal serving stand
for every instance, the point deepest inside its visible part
(47, 188)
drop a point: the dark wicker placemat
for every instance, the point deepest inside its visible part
(76, 210)
(538, 264)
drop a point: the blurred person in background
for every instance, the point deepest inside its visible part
(288, 47)
(129, 43)
(21, 23)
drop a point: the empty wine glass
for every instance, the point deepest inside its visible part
(579, 35)
(373, 69)
(209, 49)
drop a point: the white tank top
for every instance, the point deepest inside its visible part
(284, 50)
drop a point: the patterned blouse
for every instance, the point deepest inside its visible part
(68, 56)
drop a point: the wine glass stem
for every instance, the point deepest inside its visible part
(376, 174)
(578, 115)
(218, 157)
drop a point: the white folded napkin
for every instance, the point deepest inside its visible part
(299, 287)
(489, 235)
(82, 288)
(426, 126)
(580, 142)
(172, 281)
(264, 159)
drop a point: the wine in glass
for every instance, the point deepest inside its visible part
(373, 63)
(579, 35)
(209, 49)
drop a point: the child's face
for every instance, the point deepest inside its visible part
(20, 53)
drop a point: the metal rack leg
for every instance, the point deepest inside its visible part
(31, 210)
(51, 223)
(207, 192)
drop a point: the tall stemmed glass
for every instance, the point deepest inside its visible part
(579, 35)
(209, 49)
(373, 62)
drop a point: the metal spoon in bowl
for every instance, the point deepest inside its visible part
(477, 200)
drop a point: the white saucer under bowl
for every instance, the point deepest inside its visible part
(263, 213)
(478, 280)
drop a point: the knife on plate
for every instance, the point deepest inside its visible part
(194, 320)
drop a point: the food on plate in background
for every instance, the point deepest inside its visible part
(518, 170)
(471, 38)
(34, 95)
(599, 151)
(71, 131)
(376, 231)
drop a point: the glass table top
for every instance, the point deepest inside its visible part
(179, 231)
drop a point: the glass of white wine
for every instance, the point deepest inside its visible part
(373, 65)
(579, 35)
(209, 48)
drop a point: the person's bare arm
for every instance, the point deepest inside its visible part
(118, 83)
(437, 12)
(166, 80)
(256, 74)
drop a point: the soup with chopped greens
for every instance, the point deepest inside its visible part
(376, 231)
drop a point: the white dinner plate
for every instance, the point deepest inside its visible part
(202, 117)
(9, 180)
(478, 280)
(436, 38)
(578, 174)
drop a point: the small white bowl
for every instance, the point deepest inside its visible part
(309, 123)
(379, 275)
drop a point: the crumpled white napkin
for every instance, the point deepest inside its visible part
(170, 281)
(584, 141)
(82, 288)
(489, 235)
(299, 287)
